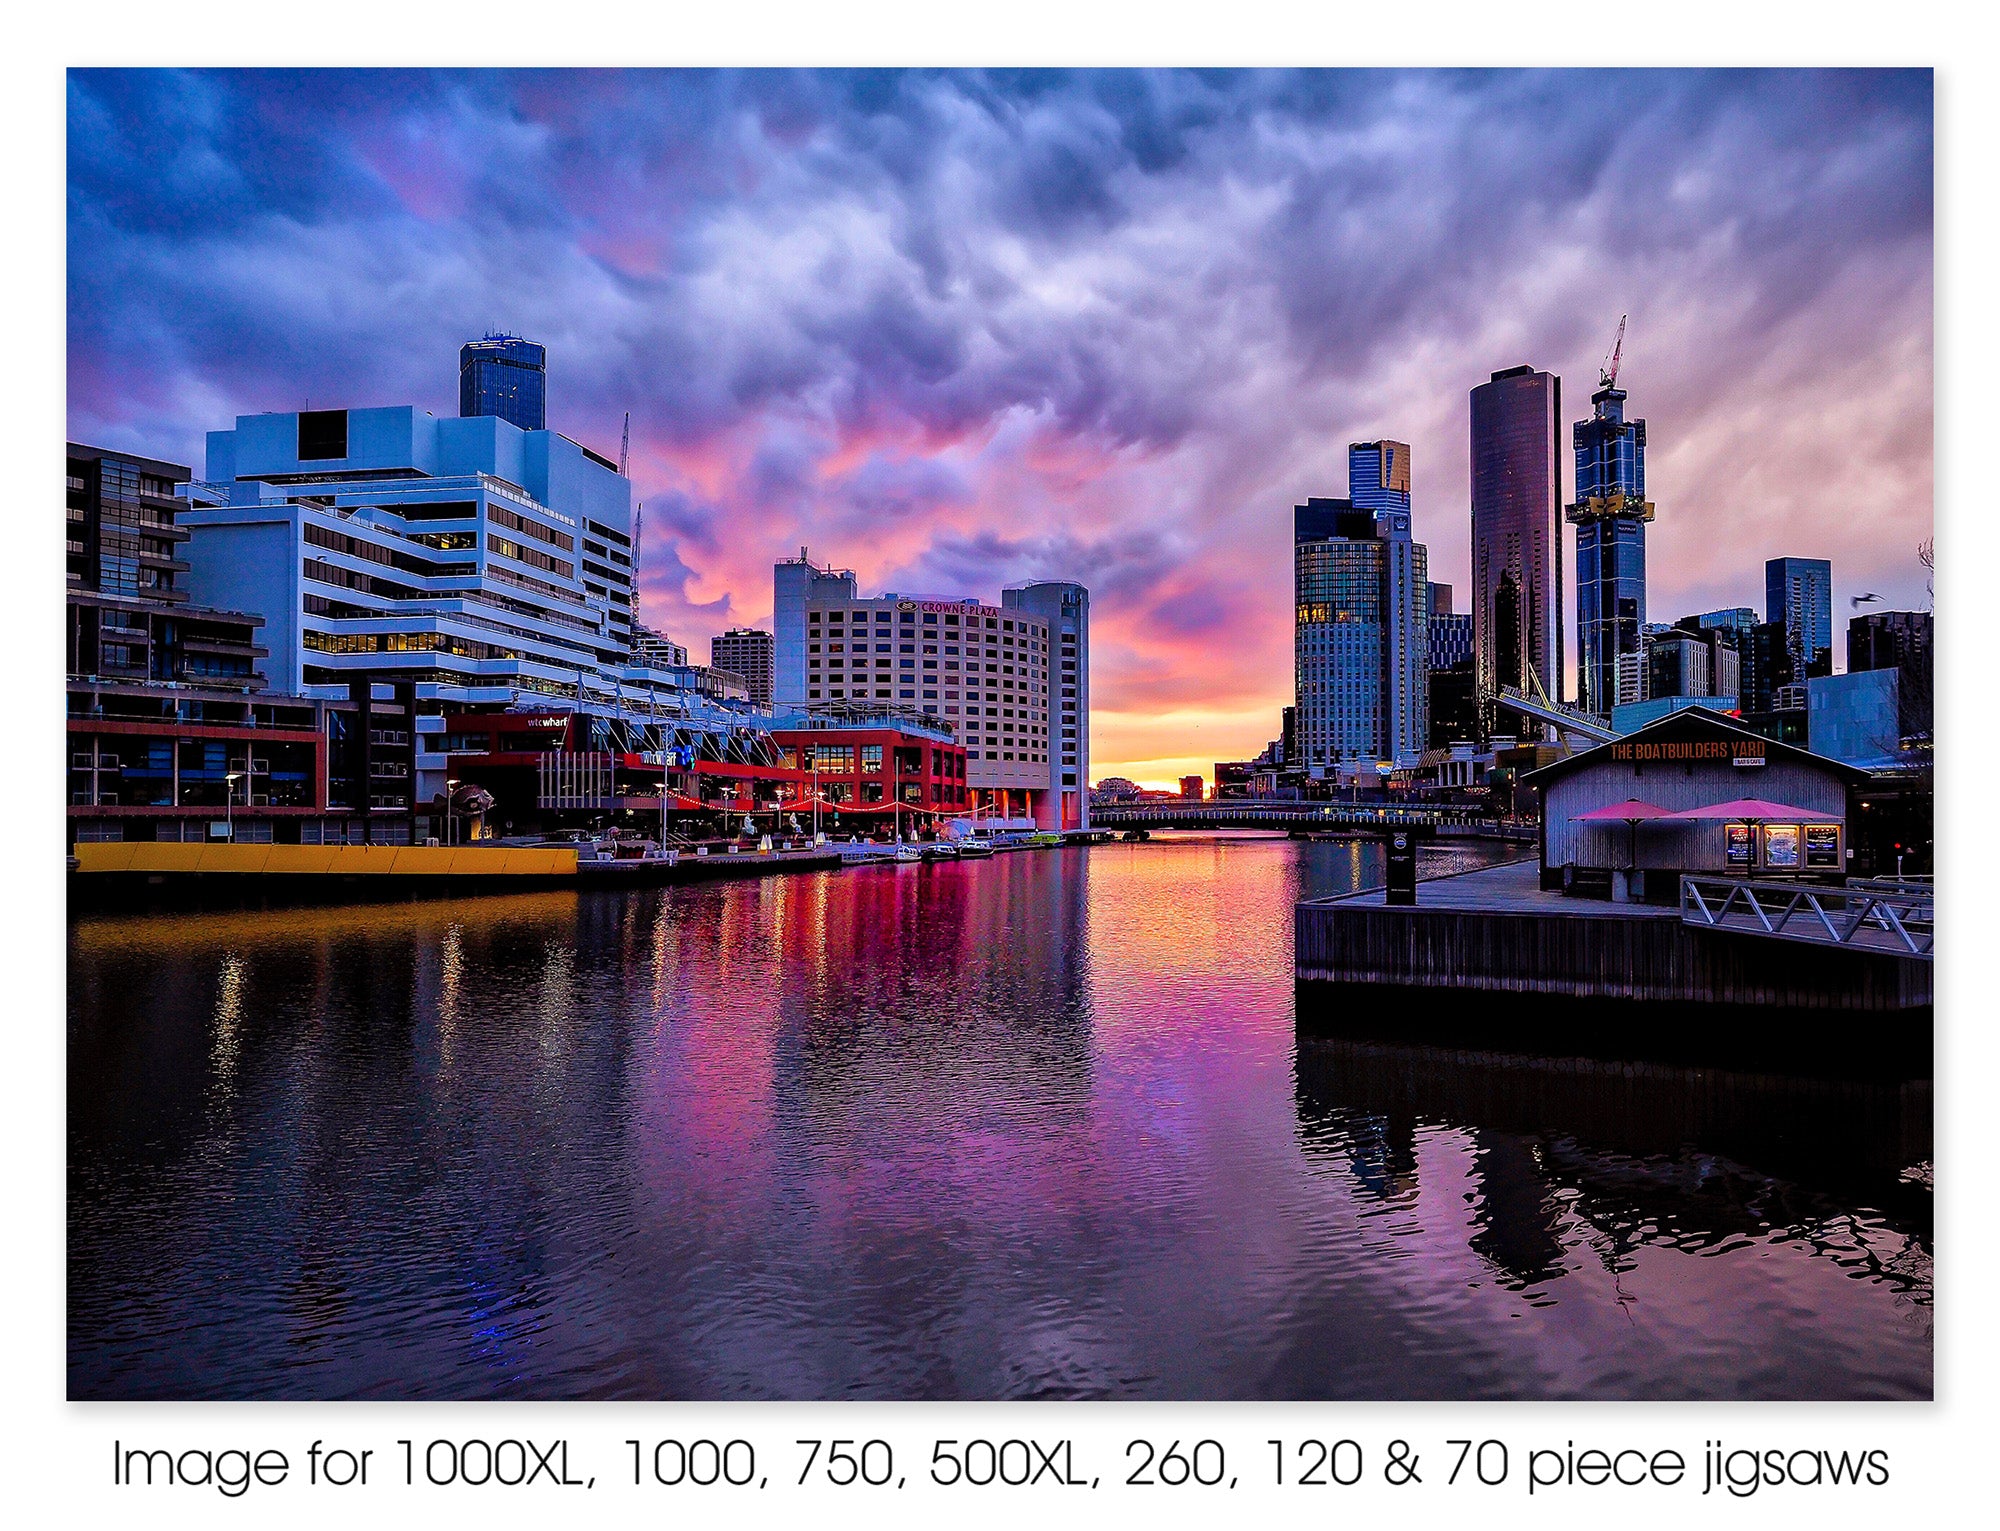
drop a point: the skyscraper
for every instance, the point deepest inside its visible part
(1360, 646)
(1610, 513)
(1799, 593)
(745, 651)
(507, 376)
(1517, 573)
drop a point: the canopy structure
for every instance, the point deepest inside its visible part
(1631, 811)
(1757, 810)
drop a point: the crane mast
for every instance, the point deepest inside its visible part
(1608, 377)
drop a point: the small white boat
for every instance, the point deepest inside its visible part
(907, 852)
(972, 847)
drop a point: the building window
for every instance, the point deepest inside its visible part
(322, 435)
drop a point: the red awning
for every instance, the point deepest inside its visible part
(1631, 811)
(1759, 808)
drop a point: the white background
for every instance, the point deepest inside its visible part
(55, 1457)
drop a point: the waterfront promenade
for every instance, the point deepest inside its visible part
(1497, 931)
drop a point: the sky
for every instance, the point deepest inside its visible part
(959, 330)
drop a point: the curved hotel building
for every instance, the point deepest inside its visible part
(1011, 681)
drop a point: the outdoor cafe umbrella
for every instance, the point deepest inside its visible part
(1632, 812)
(1753, 811)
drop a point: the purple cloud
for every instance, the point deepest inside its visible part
(958, 329)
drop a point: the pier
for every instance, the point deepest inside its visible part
(1496, 931)
(150, 871)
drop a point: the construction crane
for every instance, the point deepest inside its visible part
(1608, 378)
(625, 444)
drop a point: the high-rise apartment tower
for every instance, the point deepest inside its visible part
(1517, 560)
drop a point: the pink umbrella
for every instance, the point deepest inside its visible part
(1632, 812)
(1757, 810)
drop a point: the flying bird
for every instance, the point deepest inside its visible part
(1860, 600)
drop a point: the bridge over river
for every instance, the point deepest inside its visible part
(1250, 813)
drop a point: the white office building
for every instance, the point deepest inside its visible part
(479, 561)
(475, 561)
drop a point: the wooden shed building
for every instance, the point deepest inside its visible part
(1691, 792)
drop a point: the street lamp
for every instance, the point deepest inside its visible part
(450, 786)
(229, 804)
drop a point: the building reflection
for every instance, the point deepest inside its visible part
(295, 1086)
(1516, 1216)
(1577, 1158)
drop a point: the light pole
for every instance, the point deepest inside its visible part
(229, 805)
(450, 786)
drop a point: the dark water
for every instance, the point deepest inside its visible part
(1037, 1126)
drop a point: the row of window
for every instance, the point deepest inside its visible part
(534, 558)
(408, 643)
(500, 515)
(932, 619)
(972, 678)
(373, 552)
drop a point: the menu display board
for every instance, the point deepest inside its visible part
(1741, 844)
(1781, 847)
(1823, 845)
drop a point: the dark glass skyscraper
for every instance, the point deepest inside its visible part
(1799, 593)
(1517, 573)
(1611, 511)
(507, 376)
(1361, 656)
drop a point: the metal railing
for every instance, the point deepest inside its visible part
(1256, 813)
(1897, 923)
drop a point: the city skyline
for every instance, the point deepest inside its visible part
(957, 330)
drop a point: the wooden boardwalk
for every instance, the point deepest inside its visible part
(1495, 930)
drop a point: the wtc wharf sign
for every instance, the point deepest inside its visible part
(1731, 750)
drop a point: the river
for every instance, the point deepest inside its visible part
(1039, 1126)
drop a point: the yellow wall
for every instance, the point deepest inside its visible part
(341, 860)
